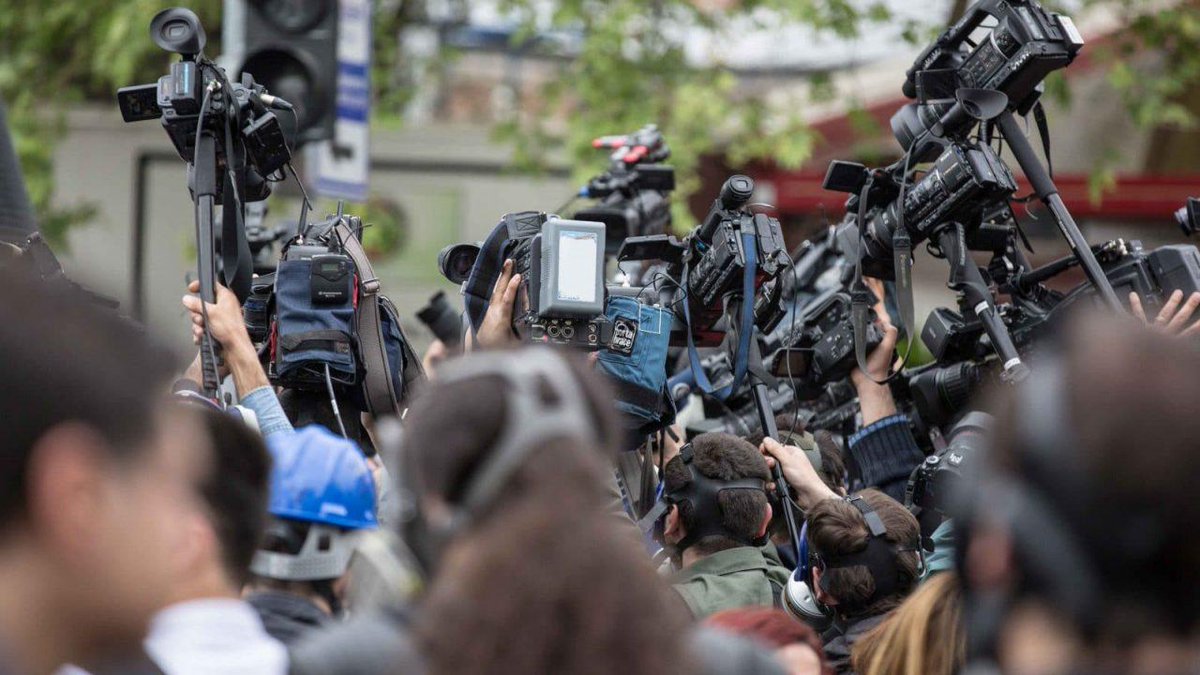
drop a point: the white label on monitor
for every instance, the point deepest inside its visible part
(577, 266)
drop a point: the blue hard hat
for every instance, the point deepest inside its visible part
(322, 478)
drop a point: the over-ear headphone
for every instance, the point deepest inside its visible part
(543, 401)
(703, 495)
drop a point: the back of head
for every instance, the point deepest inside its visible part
(772, 628)
(838, 529)
(923, 636)
(552, 585)
(235, 490)
(722, 457)
(68, 360)
(494, 425)
(1093, 460)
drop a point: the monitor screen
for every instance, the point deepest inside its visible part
(577, 254)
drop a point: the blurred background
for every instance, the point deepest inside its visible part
(449, 113)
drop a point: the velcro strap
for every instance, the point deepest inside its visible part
(330, 340)
(633, 394)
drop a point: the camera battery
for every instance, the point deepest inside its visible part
(331, 279)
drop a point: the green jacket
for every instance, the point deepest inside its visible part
(736, 577)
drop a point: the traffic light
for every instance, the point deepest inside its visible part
(290, 47)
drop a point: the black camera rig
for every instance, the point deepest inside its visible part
(634, 193)
(233, 145)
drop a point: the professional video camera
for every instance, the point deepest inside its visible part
(634, 194)
(735, 255)
(215, 126)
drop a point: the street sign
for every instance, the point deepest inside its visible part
(340, 166)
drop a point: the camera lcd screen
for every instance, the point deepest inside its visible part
(577, 266)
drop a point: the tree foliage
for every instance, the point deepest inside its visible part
(631, 70)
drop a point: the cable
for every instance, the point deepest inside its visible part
(337, 413)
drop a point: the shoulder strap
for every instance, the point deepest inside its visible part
(377, 378)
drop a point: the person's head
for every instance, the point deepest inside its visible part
(307, 408)
(1094, 555)
(552, 584)
(497, 425)
(923, 636)
(322, 498)
(224, 534)
(741, 513)
(96, 473)
(820, 447)
(866, 551)
(795, 644)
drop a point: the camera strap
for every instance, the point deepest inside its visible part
(237, 265)
(745, 326)
(378, 389)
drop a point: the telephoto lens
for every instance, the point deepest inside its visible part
(442, 320)
(456, 260)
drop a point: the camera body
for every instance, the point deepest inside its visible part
(634, 193)
(821, 348)
(176, 99)
(966, 180)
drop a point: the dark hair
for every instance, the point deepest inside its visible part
(235, 491)
(67, 359)
(552, 585)
(836, 527)
(723, 457)
(453, 427)
(1129, 409)
(771, 627)
(305, 408)
(833, 465)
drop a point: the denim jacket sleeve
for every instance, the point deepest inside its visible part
(271, 418)
(886, 453)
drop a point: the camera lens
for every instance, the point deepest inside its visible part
(456, 260)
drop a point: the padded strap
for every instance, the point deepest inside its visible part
(377, 379)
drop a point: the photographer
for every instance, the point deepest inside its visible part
(96, 476)
(322, 497)
(865, 547)
(207, 627)
(1092, 563)
(228, 328)
(884, 448)
(716, 526)
(505, 463)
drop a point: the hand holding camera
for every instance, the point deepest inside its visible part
(226, 325)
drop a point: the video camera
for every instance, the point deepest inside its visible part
(233, 145)
(196, 96)
(634, 193)
(734, 255)
(1023, 44)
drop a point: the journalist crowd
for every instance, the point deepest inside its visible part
(627, 452)
(148, 530)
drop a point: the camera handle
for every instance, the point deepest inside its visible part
(766, 416)
(204, 175)
(1047, 191)
(975, 296)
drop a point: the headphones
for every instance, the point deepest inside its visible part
(543, 401)
(703, 493)
(879, 556)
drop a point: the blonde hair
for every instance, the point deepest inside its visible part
(923, 636)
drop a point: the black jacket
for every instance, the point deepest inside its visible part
(285, 616)
(840, 639)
